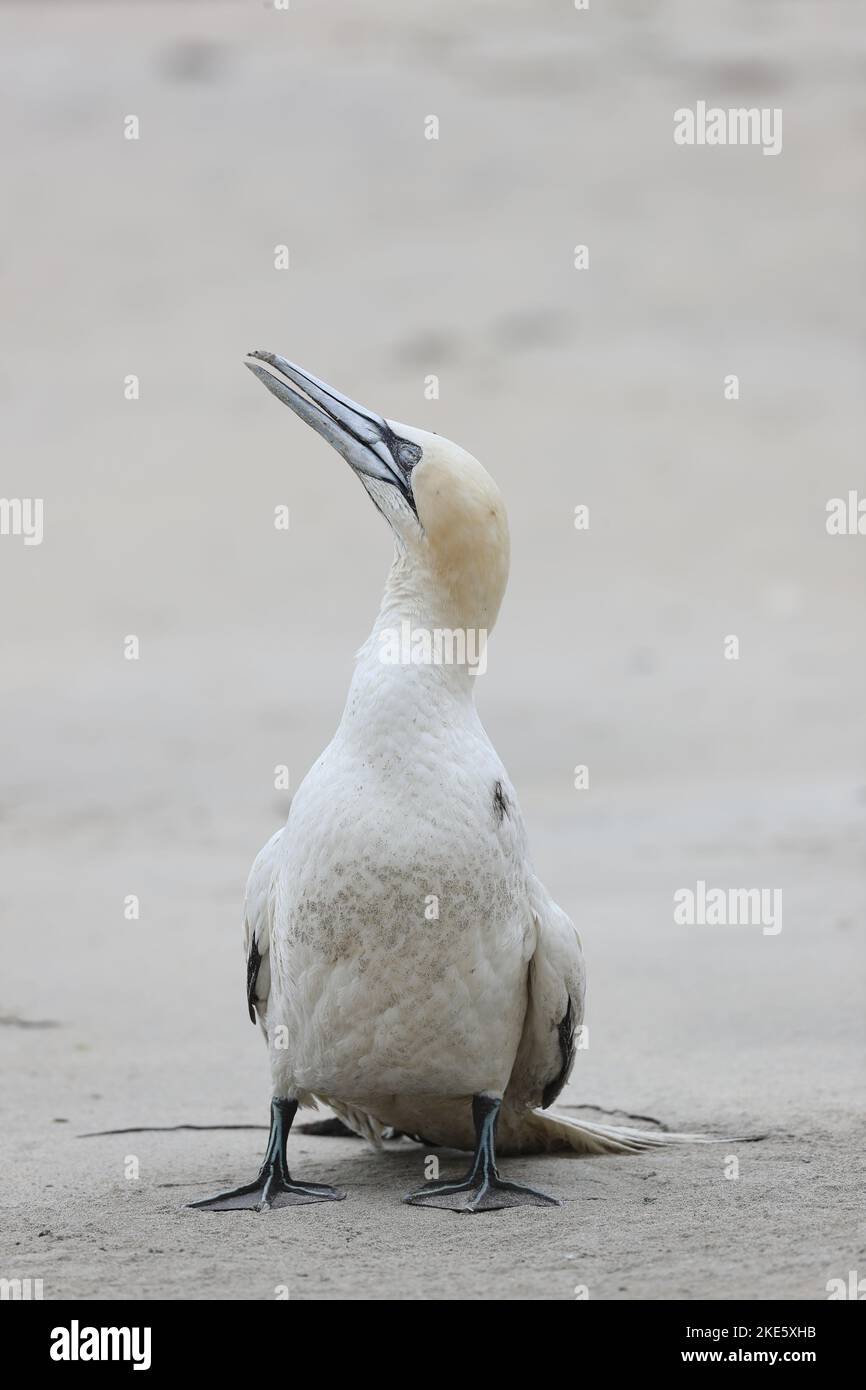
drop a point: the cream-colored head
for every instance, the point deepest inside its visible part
(456, 539)
(446, 511)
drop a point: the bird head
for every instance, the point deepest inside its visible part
(446, 512)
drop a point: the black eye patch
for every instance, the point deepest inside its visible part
(408, 454)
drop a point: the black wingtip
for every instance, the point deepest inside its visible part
(253, 962)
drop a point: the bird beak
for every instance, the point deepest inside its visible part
(365, 440)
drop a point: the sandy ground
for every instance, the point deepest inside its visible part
(155, 778)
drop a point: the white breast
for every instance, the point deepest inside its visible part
(400, 920)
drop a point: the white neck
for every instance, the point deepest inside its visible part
(415, 665)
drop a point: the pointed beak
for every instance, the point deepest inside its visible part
(364, 439)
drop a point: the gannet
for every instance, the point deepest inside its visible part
(458, 1026)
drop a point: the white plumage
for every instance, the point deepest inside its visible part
(383, 1006)
(404, 958)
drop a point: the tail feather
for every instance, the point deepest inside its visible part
(551, 1131)
(364, 1125)
(520, 1131)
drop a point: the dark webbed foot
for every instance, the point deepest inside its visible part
(480, 1194)
(482, 1189)
(274, 1187)
(268, 1193)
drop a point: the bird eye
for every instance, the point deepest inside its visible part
(408, 453)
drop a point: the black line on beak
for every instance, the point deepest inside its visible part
(365, 440)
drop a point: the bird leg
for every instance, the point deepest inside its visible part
(482, 1189)
(274, 1186)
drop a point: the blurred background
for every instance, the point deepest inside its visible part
(412, 258)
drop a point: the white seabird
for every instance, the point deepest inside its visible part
(456, 1026)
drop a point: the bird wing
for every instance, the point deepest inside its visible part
(257, 928)
(556, 984)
